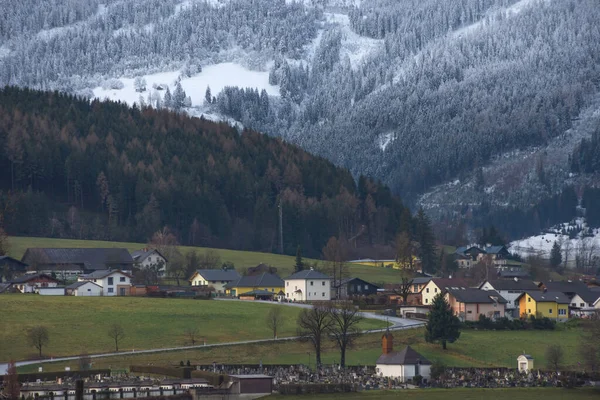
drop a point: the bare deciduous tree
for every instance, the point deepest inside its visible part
(11, 387)
(38, 337)
(313, 325)
(344, 328)
(192, 333)
(554, 356)
(275, 319)
(335, 253)
(404, 288)
(116, 333)
(85, 362)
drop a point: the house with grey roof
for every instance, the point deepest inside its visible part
(403, 365)
(215, 278)
(11, 267)
(73, 262)
(308, 285)
(113, 282)
(469, 303)
(31, 283)
(510, 289)
(150, 258)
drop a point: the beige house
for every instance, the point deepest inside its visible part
(439, 285)
(468, 304)
(216, 278)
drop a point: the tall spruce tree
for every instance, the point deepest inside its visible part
(424, 235)
(299, 265)
(443, 326)
(555, 255)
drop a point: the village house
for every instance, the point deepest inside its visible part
(568, 288)
(30, 283)
(403, 365)
(67, 263)
(553, 305)
(113, 282)
(439, 285)
(263, 285)
(146, 258)
(585, 303)
(468, 256)
(468, 303)
(510, 290)
(349, 287)
(215, 278)
(308, 285)
(11, 268)
(84, 288)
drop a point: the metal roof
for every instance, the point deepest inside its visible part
(219, 274)
(408, 356)
(262, 280)
(308, 274)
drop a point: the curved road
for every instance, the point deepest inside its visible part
(396, 324)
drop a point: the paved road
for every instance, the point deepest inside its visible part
(397, 324)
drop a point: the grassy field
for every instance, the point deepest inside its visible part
(462, 394)
(241, 259)
(473, 349)
(79, 325)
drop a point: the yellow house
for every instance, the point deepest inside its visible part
(553, 305)
(264, 282)
(386, 263)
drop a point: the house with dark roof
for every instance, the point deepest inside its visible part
(10, 268)
(467, 256)
(261, 268)
(510, 289)
(113, 282)
(31, 283)
(265, 283)
(215, 278)
(439, 285)
(150, 258)
(569, 288)
(585, 302)
(308, 285)
(554, 305)
(469, 303)
(403, 365)
(349, 287)
(73, 262)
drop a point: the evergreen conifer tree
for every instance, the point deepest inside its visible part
(208, 95)
(424, 235)
(555, 255)
(443, 326)
(299, 265)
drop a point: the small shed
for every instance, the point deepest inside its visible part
(524, 363)
(251, 384)
(51, 291)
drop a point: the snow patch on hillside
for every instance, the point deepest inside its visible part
(47, 34)
(216, 76)
(384, 140)
(4, 51)
(354, 46)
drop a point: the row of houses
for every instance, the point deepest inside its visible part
(513, 298)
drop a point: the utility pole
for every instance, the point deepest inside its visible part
(280, 227)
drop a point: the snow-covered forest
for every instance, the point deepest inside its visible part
(414, 92)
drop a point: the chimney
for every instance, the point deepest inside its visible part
(387, 342)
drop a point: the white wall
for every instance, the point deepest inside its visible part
(318, 290)
(219, 286)
(118, 279)
(291, 285)
(51, 291)
(154, 259)
(508, 295)
(89, 289)
(403, 372)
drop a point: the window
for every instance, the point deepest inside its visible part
(550, 311)
(529, 299)
(110, 290)
(323, 295)
(435, 290)
(287, 284)
(562, 311)
(427, 290)
(89, 290)
(470, 312)
(122, 279)
(366, 287)
(426, 301)
(581, 304)
(415, 288)
(529, 311)
(312, 283)
(574, 304)
(110, 280)
(323, 283)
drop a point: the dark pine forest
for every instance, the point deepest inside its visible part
(101, 170)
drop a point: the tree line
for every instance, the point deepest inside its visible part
(101, 170)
